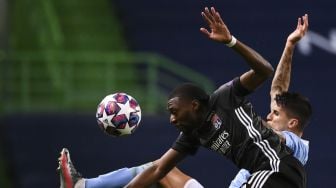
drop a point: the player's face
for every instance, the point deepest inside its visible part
(183, 114)
(278, 119)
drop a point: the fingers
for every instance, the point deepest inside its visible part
(211, 16)
(220, 18)
(302, 24)
(305, 20)
(216, 16)
(208, 16)
(205, 31)
(298, 24)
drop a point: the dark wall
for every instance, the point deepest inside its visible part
(172, 27)
(33, 144)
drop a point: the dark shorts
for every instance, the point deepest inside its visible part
(291, 175)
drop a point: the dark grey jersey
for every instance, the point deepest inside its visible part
(233, 130)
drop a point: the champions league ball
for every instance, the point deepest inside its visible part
(118, 114)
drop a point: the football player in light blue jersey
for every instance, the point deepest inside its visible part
(290, 112)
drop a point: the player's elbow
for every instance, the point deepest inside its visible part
(269, 70)
(264, 75)
(264, 71)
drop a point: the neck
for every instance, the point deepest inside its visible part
(299, 134)
(204, 116)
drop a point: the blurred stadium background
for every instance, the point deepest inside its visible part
(59, 58)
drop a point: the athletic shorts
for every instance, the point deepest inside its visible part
(291, 175)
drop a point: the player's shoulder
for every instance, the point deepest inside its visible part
(293, 138)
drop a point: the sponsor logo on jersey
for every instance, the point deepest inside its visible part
(221, 144)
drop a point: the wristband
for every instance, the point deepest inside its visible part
(232, 42)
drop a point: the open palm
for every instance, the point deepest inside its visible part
(218, 30)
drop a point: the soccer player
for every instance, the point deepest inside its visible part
(70, 178)
(227, 124)
(174, 178)
(290, 112)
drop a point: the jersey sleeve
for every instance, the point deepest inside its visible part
(299, 146)
(231, 93)
(186, 144)
(239, 89)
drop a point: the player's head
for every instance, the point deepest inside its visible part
(187, 105)
(291, 112)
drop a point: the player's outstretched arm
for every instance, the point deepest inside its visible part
(158, 170)
(261, 69)
(281, 80)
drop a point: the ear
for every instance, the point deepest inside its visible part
(195, 104)
(293, 123)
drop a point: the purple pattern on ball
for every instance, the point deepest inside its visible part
(133, 103)
(120, 121)
(121, 98)
(100, 111)
(133, 119)
(112, 108)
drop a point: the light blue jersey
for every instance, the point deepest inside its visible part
(299, 146)
(300, 149)
(116, 179)
(120, 178)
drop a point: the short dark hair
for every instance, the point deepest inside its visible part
(190, 91)
(296, 106)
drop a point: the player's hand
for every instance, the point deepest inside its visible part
(300, 31)
(218, 30)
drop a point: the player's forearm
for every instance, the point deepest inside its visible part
(281, 80)
(258, 64)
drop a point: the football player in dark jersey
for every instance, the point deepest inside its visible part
(227, 124)
(275, 114)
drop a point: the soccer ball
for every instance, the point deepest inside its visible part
(118, 114)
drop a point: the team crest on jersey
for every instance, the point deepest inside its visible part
(216, 121)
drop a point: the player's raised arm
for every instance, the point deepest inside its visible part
(158, 170)
(281, 80)
(261, 69)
